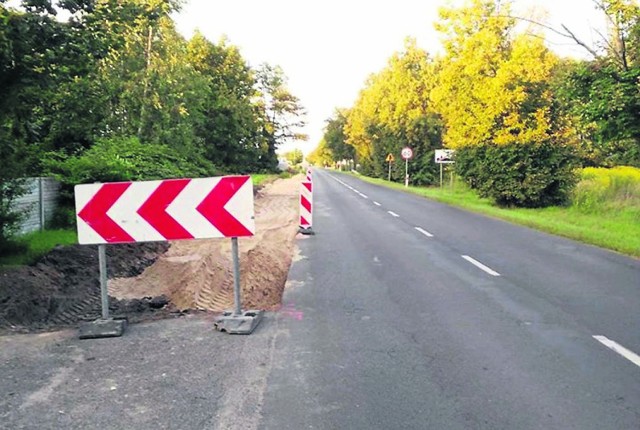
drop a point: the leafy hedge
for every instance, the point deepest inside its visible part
(126, 159)
(119, 159)
(522, 175)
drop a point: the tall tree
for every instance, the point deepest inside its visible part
(393, 111)
(321, 155)
(335, 137)
(229, 128)
(603, 93)
(493, 85)
(495, 97)
(282, 114)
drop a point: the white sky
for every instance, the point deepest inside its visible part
(328, 48)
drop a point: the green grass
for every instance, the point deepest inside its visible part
(30, 247)
(616, 229)
(261, 179)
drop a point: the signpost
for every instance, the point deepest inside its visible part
(174, 209)
(390, 159)
(406, 153)
(445, 156)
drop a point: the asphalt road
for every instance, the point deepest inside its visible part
(400, 313)
(407, 314)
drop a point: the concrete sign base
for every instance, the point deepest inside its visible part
(306, 231)
(102, 328)
(244, 323)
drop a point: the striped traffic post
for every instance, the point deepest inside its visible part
(309, 174)
(306, 208)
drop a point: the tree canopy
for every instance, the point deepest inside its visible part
(117, 75)
(506, 103)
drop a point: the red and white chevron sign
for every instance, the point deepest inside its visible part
(306, 205)
(172, 209)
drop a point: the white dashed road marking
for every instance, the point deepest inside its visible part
(393, 214)
(614, 346)
(481, 266)
(425, 232)
(377, 204)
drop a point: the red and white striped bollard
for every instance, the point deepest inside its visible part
(306, 208)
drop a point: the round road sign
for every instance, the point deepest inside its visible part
(406, 153)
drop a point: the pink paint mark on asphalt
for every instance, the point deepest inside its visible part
(290, 311)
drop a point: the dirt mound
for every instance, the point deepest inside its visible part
(63, 287)
(198, 274)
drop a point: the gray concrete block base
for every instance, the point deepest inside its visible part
(306, 231)
(244, 323)
(102, 328)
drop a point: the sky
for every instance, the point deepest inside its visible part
(328, 48)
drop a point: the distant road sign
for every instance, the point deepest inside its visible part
(445, 156)
(390, 158)
(406, 153)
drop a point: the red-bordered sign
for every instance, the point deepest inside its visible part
(173, 209)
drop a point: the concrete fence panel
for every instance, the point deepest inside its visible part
(38, 204)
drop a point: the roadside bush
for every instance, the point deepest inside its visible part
(606, 189)
(64, 217)
(521, 175)
(126, 159)
(119, 159)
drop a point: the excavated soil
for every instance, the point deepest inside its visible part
(198, 274)
(63, 287)
(157, 280)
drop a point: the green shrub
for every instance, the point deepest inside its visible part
(64, 217)
(126, 159)
(521, 175)
(120, 159)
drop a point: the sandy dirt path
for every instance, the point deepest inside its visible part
(198, 274)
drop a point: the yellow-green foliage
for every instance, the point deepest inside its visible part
(617, 188)
(393, 99)
(492, 85)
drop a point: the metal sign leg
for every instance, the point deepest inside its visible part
(105, 326)
(104, 292)
(406, 172)
(236, 321)
(236, 276)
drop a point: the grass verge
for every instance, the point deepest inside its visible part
(30, 247)
(261, 179)
(617, 230)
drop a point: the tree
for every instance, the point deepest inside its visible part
(230, 125)
(321, 155)
(495, 98)
(335, 138)
(31, 54)
(281, 113)
(294, 157)
(603, 94)
(393, 111)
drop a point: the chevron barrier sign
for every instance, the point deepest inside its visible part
(172, 209)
